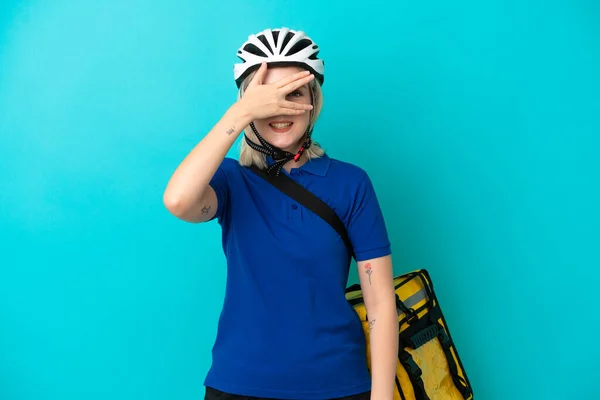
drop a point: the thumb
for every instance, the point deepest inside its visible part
(259, 76)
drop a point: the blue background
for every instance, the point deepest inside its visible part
(477, 121)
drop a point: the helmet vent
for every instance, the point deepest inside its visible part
(286, 40)
(314, 56)
(264, 41)
(253, 49)
(301, 45)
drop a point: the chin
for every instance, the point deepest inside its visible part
(282, 140)
(284, 143)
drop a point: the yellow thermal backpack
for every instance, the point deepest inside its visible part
(429, 367)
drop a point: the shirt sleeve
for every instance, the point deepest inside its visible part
(220, 185)
(366, 226)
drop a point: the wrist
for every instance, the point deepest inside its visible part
(240, 114)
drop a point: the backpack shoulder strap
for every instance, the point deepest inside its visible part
(309, 200)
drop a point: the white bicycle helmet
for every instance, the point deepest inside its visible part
(282, 47)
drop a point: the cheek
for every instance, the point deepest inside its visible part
(261, 125)
(305, 118)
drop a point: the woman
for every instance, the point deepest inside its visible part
(286, 330)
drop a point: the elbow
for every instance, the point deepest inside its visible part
(174, 204)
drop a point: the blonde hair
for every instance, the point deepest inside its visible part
(249, 156)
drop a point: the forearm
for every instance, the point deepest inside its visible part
(383, 321)
(191, 178)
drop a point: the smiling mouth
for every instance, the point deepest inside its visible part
(281, 127)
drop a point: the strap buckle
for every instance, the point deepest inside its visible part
(412, 369)
(411, 315)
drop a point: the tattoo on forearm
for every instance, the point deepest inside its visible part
(205, 210)
(230, 130)
(371, 323)
(368, 271)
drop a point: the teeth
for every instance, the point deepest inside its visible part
(281, 125)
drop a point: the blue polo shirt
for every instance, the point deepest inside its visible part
(286, 330)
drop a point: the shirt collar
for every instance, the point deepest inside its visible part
(317, 166)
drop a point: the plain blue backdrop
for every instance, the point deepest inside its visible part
(477, 121)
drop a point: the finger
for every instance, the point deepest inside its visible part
(290, 111)
(259, 76)
(290, 87)
(296, 106)
(291, 78)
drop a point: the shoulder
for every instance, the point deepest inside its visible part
(349, 186)
(359, 209)
(349, 173)
(230, 164)
(226, 173)
(230, 168)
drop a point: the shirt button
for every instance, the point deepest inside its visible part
(295, 206)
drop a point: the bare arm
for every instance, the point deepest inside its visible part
(377, 284)
(188, 194)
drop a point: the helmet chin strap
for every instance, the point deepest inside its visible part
(281, 157)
